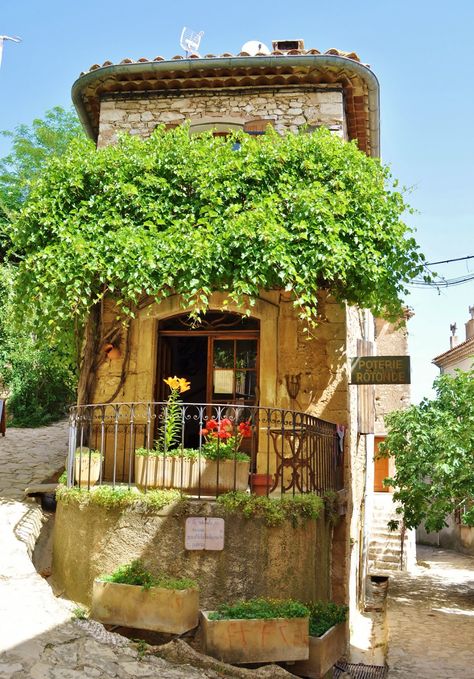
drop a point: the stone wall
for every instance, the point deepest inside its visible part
(281, 561)
(284, 350)
(391, 340)
(289, 109)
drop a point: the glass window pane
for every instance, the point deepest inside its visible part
(224, 354)
(245, 382)
(246, 353)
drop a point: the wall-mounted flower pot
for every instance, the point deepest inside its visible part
(257, 640)
(159, 609)
(261, 483)
(154, 471)
(324, 652)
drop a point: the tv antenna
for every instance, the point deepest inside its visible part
(190, 40)
(254, 47)
(13, 38)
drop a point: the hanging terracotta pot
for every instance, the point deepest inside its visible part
(113, 353)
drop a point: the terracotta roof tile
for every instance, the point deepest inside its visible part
(276, 53)
(454, 350)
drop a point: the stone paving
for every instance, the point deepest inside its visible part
(431, 618)
(39, 639)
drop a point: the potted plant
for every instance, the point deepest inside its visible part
(257, 630)
(220, 466)
(154, 469)
(261, 483)
(87, 466)
(327, 640)
(133, 597)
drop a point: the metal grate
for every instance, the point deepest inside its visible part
(360, 671)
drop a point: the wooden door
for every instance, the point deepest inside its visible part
(381, 468)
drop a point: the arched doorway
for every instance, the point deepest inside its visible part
(219, 357)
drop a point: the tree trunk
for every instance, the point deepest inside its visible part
(88, 377)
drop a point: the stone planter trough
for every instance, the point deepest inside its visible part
(257, 640)
(324, 652)
(163, 610)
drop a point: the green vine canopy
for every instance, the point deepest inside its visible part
(193, 214)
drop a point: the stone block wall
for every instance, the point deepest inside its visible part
(282, 561)
(391, 340)
(289, 109)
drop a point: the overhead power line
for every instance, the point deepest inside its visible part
(448, 261)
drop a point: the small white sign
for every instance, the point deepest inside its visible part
(204, 533)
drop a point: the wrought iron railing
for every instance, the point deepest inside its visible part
(204, 449)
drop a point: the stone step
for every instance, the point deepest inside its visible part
(386, 558)
(392, 551)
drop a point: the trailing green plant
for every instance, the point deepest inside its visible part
(135, 221)
(119, 497)
(274, 511)
(262, 608)
(135, 573)
(324, 615)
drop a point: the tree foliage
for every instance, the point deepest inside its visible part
(194, 214)
(39, 376)
(433, 447)
(31, 148)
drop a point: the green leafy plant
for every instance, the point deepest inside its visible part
(86, 453)
(324, 615)
(222, 439)
(134, 221)
(119, 497)
(170, 430)
(135, 573)
(80, 613)
(262, 608)
(433, 447)
(273, 511)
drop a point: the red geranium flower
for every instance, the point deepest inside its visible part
(212, 424)
(204, 432)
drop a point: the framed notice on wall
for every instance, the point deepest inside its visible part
(223, 381)
(204, 532)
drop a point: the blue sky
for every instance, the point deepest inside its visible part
(420, 51)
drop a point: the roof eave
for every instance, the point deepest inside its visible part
(209, 64)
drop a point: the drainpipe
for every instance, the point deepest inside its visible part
(190, 66)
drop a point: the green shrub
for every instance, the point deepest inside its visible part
(135, 573)
(260, 608)
(324, 615)
(119, 497)
(273, 511)
(41, 384)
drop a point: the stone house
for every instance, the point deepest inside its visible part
(291, 88)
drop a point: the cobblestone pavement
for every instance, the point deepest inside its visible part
(38, 637)
(431, 618)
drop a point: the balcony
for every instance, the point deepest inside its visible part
(204, 449)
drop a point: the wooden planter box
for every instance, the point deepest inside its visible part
(213, 477)
(190, 475)
(253, 641)
(162, 610)
(324, 652)
(154, 471)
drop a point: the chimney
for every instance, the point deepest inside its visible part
(287, 45)
(453, 340)
(470, 324)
